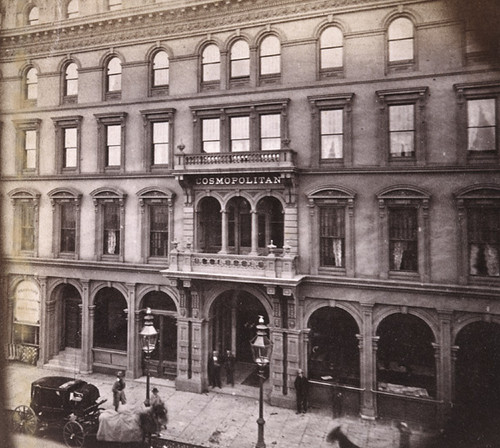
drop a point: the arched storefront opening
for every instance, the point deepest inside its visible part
(70, 318)
(164, 357)
(209, 226)
(271, 223)
(477, 370)
(406, 363)
(110, 320)
(239, 226)
(233, 317)
(333, 353)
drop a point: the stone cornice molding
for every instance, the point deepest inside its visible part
(152, 23)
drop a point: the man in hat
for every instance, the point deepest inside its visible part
(119, 390)
(301, 385)
(156, 399)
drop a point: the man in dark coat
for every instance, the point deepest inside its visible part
(301, 386)
(229, 362)
(214, 363)
(118, 390)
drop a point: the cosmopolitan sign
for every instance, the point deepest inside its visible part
(239, 180)
(27, 303)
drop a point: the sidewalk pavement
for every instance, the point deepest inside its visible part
(221, 419)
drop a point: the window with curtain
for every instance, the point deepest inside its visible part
(332, 236)
(27, 213)
(240, 134)
(160, 69)
(240, 59)
(402, 130)
(211, 135)
(483, 232)
(71, 80)
(72, 9)
(113, 145)
(403, 239)
(31, 84)
(70, 150)
(332, 133)
(111, 231)
(30, 149)
(158, 232)
(33, 16)
(400, 40)
(270, 56)
(481, 125)
(270, 132)
(331, 48)
(114, 75)
(210, 61)
(68, 227)
(160, 142)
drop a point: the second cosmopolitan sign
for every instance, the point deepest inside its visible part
(238, 180)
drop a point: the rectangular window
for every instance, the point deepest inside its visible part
(111, 233)
(158, 234)
(270, 132)
(403, 239)
(68, 227)
(332, 237)
(113, 145)
(211, 135)
(27, 227)
(240, 134)
(332, 134)
(25, 334)
(483, 232)
(70, 148)
(30, 138)
(402, 130)
(481, 127)
(160, 143)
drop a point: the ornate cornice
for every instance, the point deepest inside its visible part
(151, 23)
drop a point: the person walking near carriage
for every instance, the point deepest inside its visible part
(214, 364)
(119, 390)
(229, 361)
(301, 385)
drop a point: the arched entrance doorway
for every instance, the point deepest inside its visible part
(164, 357)
(70, 318)
(110, 321)
(233, 317)
(477, 369)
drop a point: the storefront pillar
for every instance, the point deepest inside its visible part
(85, 364)
(444, 374)
(91, 335)
(53, 333)
(283, 367)
(254, 233)
(132, 333)
(367, 352)
(44, 351)
(224, 236)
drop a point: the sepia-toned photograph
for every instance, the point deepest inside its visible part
(250, 223)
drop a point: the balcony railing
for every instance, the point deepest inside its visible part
(270, 266)
(283, 158)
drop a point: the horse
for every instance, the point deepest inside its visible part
(152, 421)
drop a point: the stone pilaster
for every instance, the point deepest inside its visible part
(44, 352)
(367, 356)
(86, 356)
(132, 333)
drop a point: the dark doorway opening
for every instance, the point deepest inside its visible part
(71, 318)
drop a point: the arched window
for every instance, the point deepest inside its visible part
(210, 62)
(31, 84)
(331, 48)
(400, 40)
(71, 80)
(209, 226)
(110, 324)
(114, 75)
(270, 56)
(240, 59)
(160, 69)
(72, 9)
(33, 16)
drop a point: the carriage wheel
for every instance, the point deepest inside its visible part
(24, 420)
(73, 434)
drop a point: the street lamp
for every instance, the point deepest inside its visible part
(149, 336)
(261, 352)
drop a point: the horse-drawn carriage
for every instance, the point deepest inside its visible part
(74, 406)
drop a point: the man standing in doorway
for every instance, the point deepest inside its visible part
(301, 386)
(214, 363)
(229, 361)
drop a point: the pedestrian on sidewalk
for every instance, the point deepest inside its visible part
(214, 363)
(301, 385)
(118, 390)
(229, 362)
(155, 398)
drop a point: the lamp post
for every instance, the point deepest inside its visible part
(261, 352)
(149, 336)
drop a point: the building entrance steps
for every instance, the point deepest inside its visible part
(221, 419)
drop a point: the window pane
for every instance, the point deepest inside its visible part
(211, 135)
(401, 118)
(270, 55)
(111, 229)
(27, 227)
(331, 146)
(331, 37)
(114, 134)
(71, 79)
(240, 134)
(70, 145)
(211, 72)
(402, 144)
(400, 29)
(270, 46)
(270, 65)
(30, 140)
(270, 132)
(332, 232)
(483, 232)
(70, 138)
(161, 77)
(33, 16)
(70, 158)
(72, 9)
(481, 112)
(240, 68)
(114, 5)
(114, 156)
(240, 59)
(331, 57)
(114, 66)
(32, 84)
(158, 230)
(332, 121)
(30, 159)
(211, 54)
(160, 155)
(403, 233)
(114, 83)
(160, 60)
(401, 50)
(160, 69)
(114, 75)
(68, 225)
(160, 132)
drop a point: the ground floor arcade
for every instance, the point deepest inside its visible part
(379, 359)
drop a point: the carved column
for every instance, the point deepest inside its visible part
(183, 349)
(44, 353)
(444, 373)
(132, 333)
(224, 236)
(91, 335)
(368, 365)
(255, 233)
(85, 365)
(136, 352)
